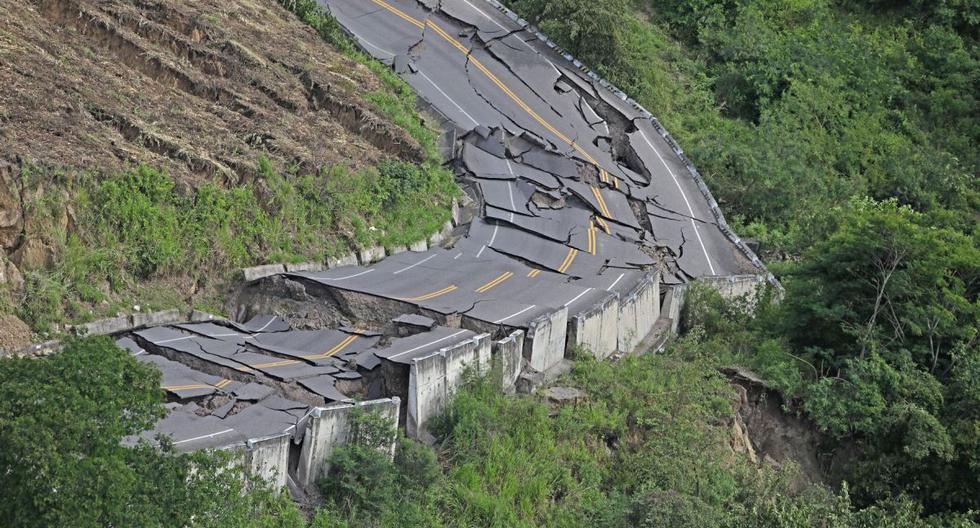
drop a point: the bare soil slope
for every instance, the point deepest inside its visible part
(198, 88)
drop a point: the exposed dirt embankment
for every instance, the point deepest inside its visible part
(768, 434)
(201, 90)
(198, 88)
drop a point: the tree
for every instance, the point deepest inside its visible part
(63, 419)
(592, 31)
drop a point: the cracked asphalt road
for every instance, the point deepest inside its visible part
(578, 192)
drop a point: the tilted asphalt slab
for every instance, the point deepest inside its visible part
(208, 410)
(570, 179)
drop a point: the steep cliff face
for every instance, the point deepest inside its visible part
(198, 90)
(768, 434)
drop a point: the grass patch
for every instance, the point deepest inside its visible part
(395, 100)
(138, 240)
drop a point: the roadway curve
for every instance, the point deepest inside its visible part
(578, 193)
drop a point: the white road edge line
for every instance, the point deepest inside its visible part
(173, 339)
(510, 190)
(450, 99)
(689, 208)
(493, 237)
(349, 276)
(423, 261)
(390, 358)
(515, 314)
(501, 26)
(424, 76)
(577, 297)
(204, 436)
(266, 325)
(615, 282)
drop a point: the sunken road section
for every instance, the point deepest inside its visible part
(283, 398)
(583, 209)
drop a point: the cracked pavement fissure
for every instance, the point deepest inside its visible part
(578, 195)
(526, 111)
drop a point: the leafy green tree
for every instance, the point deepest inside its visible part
(595, 32)
(63, 462)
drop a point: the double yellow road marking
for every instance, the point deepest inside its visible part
(220, 385)
(272, 364)
(333, 351)
(602, 203)
(603, 175)
(433, 295)
(534, 273)
(569, 258)
(592, 244)
(501, 278)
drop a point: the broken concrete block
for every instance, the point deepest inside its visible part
(544, 345)
(507, 360)
(595, 329)
(156, 318)
(104, 326)
(304, 266)
(258, 272)
(419, 246)
(371, 255)
(396, 250)
(340, 261)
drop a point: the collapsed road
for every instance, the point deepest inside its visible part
(581, 198)
(583, 208)
(556, 158)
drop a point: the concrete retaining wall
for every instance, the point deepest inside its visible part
(544, 345)
(597, 329)
(638, 312)
(268, 458)
(433, 380)
(735, 286)
(125, 323)
(673, 304)
(688, 164)
(507, 358)
(329, 428)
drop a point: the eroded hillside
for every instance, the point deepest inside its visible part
(196, 88)
(149, 147)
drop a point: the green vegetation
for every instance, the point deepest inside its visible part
(791, 107)
(650, 447)
(877, 337)
(135, 238)
(396, 99)
(843, 135)
(135, 227)
(62, 463)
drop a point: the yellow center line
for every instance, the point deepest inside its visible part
(603, 175)
(605, 226)
(501, 278)
(592, 244)
(219, 385)
(283, 363)
(534, 273)
(569, 258)
(186, 387)
(414, 21)
(433, 295)
(602, 203)
(340, 346)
